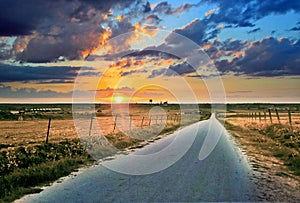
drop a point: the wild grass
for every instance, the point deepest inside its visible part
(277, 140)
(24, 167)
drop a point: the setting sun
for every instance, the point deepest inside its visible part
(118, 99)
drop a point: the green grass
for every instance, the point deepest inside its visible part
(23, 181)
(23, 168)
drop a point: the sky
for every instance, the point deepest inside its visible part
(137, 50)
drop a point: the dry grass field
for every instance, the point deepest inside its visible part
(273, 150)
(27, 161)
(30, 132)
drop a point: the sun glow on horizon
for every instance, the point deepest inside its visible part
(118, 99)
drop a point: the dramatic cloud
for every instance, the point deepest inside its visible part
(156, 73)
(166, 8)
(153, 19)
(5, 49)
(47, 30)
(195, 31)
(295, 29)
(11, 73)
(254, 30)
(244, 13)
(18, 17)
(268, 57)
(271, 57)
(178, 69)
(9, 92)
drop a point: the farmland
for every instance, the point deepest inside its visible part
(268, 133)
(27, 160)
(272, 146)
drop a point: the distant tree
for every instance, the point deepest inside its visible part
(150, 100)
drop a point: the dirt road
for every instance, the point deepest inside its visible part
(223, 176)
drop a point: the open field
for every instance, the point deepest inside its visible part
(31, 130)
(28, 161)
(273, 148)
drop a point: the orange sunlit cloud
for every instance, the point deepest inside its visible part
(147, 30)
(164, 62)
(210, 12)
(102, 39)
(119, 18)
(207, 46)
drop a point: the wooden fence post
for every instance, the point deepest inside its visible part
(259, 116)
(290, 117)
(270, 115)
(142, 122)
(265, 115)
(48, 131)
(91, 125)
(277, 114)
(115, 123)
(255, 115)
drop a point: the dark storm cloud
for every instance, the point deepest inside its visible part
(224, 66)
(121, 27)
(166, 8)
(153, 19)
(173, 70)
(269, 57)
(57, 28)
(70, 44)
(147, 7)
(55, 82)
(179, 69)
(231, 45)
(195, 31)
(9, 92)
(244, 13)
(11, 73)
(151, 53)
(241, 13)
(156, 73)
(18, 17)
(295, 29)
(254, 30)
(5, 52)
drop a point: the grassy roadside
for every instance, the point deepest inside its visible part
(275, 144)
(25, 168)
